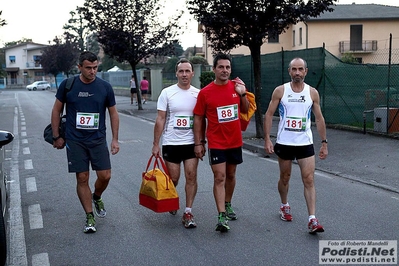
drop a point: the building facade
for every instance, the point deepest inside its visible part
(362, 30)
(23, 64)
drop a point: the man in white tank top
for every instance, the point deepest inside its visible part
(295, 101)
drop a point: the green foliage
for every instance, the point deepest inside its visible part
(131, 30)
(23, 40)
(58, 58)
(206, 78)
(349, 58)
(77, 30)
(171, 65)
(198, 60)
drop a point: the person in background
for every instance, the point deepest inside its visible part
(133, 90)
(85, 136)
(174, 123)
(144, 85)
(295, 101)
(220, 102)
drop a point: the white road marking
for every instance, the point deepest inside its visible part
(31, 184)
(35, 216)
(26, 150)
(40, 259)
(23, 128)
(24, 141)
(28, 164)
(23, 134)
(17, 237)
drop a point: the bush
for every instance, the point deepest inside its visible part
(206, 78)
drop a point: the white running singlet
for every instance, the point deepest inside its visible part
(294, 128)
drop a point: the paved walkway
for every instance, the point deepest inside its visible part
(365, 158)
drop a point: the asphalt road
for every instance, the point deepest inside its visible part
(46, 220)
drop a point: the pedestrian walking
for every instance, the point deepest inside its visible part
(85, 137)
(221, 102)
(133, 90)
(174, 123)
(296, 100)
(144, 86)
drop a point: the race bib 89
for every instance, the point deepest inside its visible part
(182, 122)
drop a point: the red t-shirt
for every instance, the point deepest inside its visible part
(220, 104)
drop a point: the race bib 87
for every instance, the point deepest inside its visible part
(87, 120)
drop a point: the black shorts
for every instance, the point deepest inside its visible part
(144, 92)
(230, 156)
(133, 90)
(81, 154)
(287, 152)
(178, 153)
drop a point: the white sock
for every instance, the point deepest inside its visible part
(284, 205)
(311, 217)
(188, 210)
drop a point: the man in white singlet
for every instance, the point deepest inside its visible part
(295, 101)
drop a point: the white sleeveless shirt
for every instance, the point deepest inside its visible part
(295, 109)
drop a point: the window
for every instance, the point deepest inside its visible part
(12, 58)
(300, 36)
(37, 58)
(293, 38)
(356, 37)
(272, 37)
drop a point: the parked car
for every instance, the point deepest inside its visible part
(38, 85)
(5, 138)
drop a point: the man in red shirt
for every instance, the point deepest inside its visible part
(221, 103)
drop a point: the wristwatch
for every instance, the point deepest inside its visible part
(324, 141)
(244, 94)
(56, 138)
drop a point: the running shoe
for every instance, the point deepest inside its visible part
(230, 214)
(314, 226)
(285, 213)
(222, 225)
(90, 226)
(188, 220)
(99, 208)
(173, 212)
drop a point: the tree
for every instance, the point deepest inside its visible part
(58, 58)
(232, 23)
(131, 31)
(2, 21)
(77, 30)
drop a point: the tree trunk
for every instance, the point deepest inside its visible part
(139, 104)
(257, 67)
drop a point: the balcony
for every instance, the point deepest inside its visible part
(33, 65)
(357, 47)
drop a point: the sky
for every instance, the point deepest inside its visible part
(42, 20)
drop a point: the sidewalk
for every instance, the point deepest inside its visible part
(364, 158)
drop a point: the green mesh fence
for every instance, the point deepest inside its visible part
(346, 90)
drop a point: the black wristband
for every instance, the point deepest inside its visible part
(56, 138)
(203, 141)
(244, 94)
